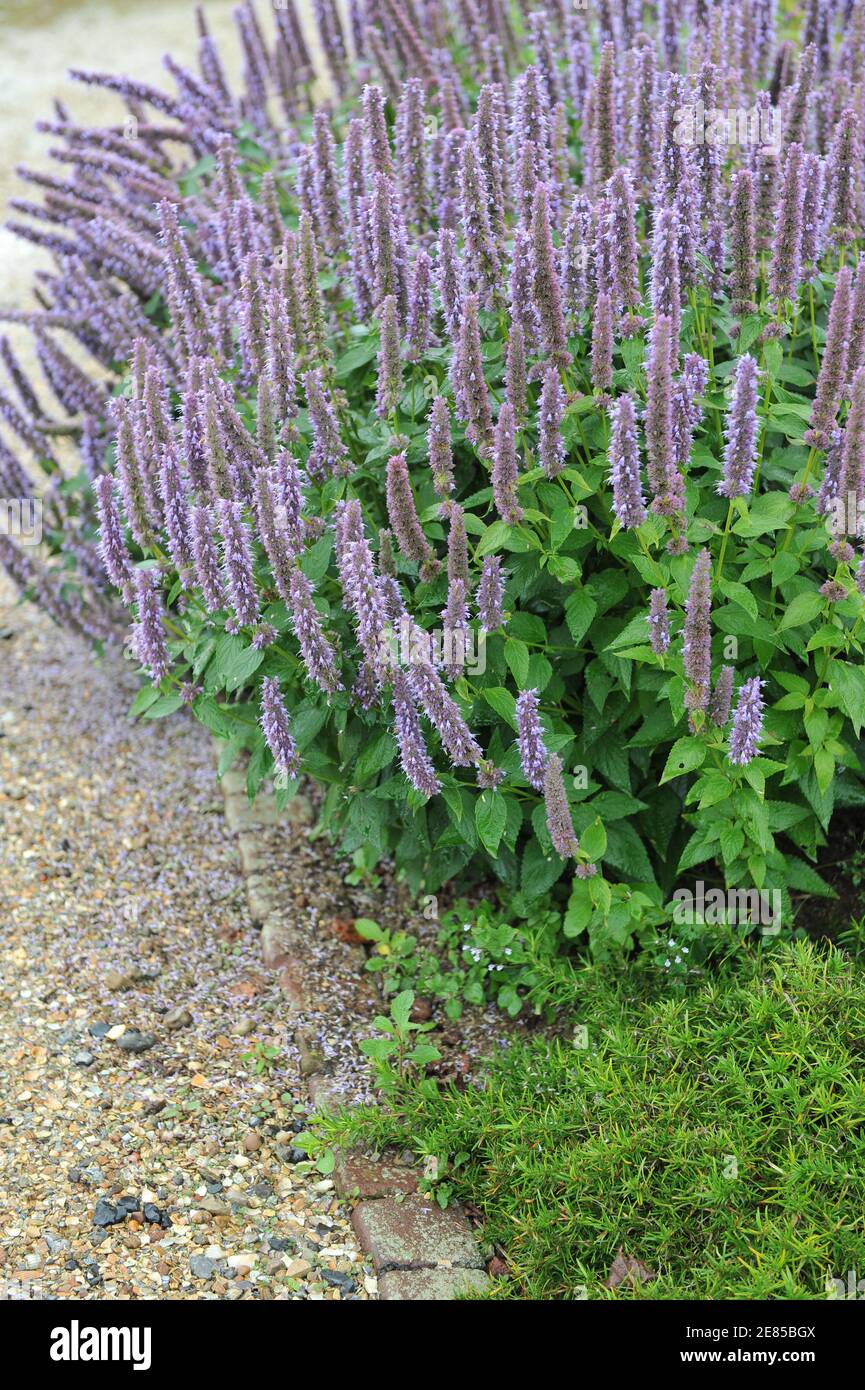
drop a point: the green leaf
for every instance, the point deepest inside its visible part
(147, 696)
(539, 871)
(375, 756)
(739, 593)
(368, 929)
(503, 702)
(517, 657)
(233, 665)
(499, 536)
(685, 755)
(593, 840)
(491, 815)
(316, 560)
(401, 1007)
(626, 853)
(580, 609)
(800, 875)
(802, 609)
(848, 683)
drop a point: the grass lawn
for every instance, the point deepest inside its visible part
(716, 1136)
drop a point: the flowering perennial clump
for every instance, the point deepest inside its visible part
(487, 442)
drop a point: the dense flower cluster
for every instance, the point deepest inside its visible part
(440, 390)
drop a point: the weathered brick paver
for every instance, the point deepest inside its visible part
(430, 1285)
(414, 1234)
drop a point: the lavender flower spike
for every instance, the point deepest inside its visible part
(414, 758)
(389, 385)
(237, 555)
(111, 543)
(505, 469)
(787, 258)
(491, 592)
(740, 452)
(659, 622)
(150, 644)
(559, 822)
(462, 748)
(747, 724)
(206, 559)
(318, 655)
(719, 704)
(624, 456)
(545, 281)
(833, 368)
(551, 408)
(697, 646)
(665, 479)
(530, 739)
(274, 722)
(441, 460)
(329, 456)
(403, 518)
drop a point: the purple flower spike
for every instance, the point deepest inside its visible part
(112, 546)
(697, 646)
(318, 655)
(413, 755)
(138, 501)
(602, 343)
(450, 281)
(176, 508)
(851, 476)
(470, 387)
(666, 289)
(747, 724)
(786, 265)
(530, 739)
(459, 743)
(389, 386)
(559, 822)
(740, 452)
(545, 281)
(551, 408)
(505, 467)
(515, 371)
(403, 518)
(329, 457)
(237, 557)
(621, 229)
(491, 593)
(206, 559)
(834, 365)
(743, 275)
(659, 622)
(624, 454)
(274, 723)
(361, 588)
(150, 644)
(418, 332)
(441, 460)
(665, 479)
(722, 695)
(687, 411)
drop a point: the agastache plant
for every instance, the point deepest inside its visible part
(291, 351)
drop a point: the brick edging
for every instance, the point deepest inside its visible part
(419, 1252)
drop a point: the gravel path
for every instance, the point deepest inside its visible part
(124, 927)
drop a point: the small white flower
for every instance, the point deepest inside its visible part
(667, 963)
(678, 960)
(508, 951)
(671, 942)
(684, 950)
